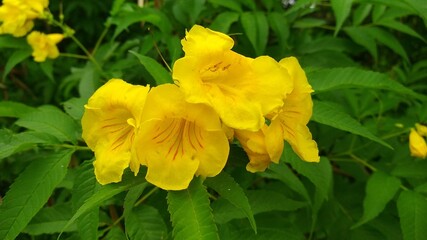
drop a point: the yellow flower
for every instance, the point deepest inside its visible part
(262, 147)
(291, 120)
(109, 122)
(16, 16)
(240, 89)
(421, 129)
(44, 45)
(417, 145)
(178, 140)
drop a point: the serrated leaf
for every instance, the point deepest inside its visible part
(191, 214)
(255, 26)
(412, 208)
(360, 14)
(227, 188)
(387, 39)
(157, 71)
(223, 21)
(14, 109)
(261, 201)
(341, 10)
(320, 174)
(30, 192)
(75, 107)
(85, 186)
(284, 174)
(51, 220)
(339, 78)
(325, 113)
(51, 120)
(145, 223)
(11, 143)
(361, 37)
(393, 24)
(106, 192)
(17, 57)
(131, 13)
(380, 190)
(131, 197)
(116, 233)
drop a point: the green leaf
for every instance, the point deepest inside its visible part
(255, 26)
(145, 223)
(227, 188)
(191, 214)
(411, 169)
(328, 114)
(47, 68)
(320, 174)
(396, 25)
(17, 57)
(51, 120)
(75, 107)
(116, 233)
(223, 21)
(85, 186)
(412, 208)
(284, 174)
(51, 220)
(387, 39)
(309, 22)
(261, 201)
(106, 192)
(14, 109)
(187, 11)
(233, 5)
(361, 37)
(30, 192)
(418, 6)
(89, 80)
(280, 26)
(131, 197)
(339, 78)
(9, 41)
(131, 13)
(380, 189)
(341, 10)
(157, 71)
(11, 143)
(360, 14)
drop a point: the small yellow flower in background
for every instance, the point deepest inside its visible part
(291, 120)
(178, 140)
(417, 144)
(44, 45)
(109, 122)
(240, 89)
(17, 16)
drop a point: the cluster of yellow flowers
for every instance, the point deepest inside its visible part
(183, 129)
(17, 18)
(417, 142)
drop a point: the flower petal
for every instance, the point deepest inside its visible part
(417, 145)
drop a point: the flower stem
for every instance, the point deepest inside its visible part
(101, 37)
(72, 55)
(146, 196)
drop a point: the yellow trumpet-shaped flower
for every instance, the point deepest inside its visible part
(17, 16)
(417, 144)
(262, 147)
(240, 89)
(178, 140)
(44, 45)
(293, 117)
(109, 122)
